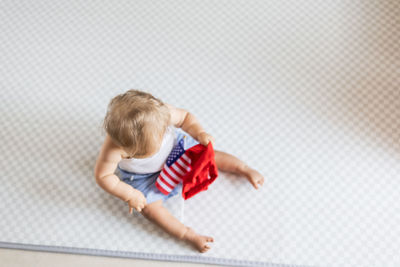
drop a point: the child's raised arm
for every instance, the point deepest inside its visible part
(106, 164)
(188, 122)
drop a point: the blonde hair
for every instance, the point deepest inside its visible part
(136, 121)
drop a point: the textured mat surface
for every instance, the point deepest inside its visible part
(306, 92)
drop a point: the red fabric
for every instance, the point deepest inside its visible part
(204, 170)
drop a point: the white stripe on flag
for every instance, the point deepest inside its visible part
(186, 167)
(168, 180)
(177, 169)
(164, 186)
(172, 173)
(187, 158)
(184, 161)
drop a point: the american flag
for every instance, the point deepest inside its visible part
(175, 168)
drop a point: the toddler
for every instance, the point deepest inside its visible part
(141, 131)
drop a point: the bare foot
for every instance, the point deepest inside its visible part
(254, 177)
(198, 241)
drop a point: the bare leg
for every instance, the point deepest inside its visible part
(229, 163)
(159, 215)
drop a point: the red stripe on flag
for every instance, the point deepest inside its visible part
(180, 167)
(170, 177)
(169, 169)
(175, 171)
(166, 183)
(162, 189)
(168, 180)
(184, 165)
(185, 161)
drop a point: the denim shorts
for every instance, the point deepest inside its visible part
(145, 183)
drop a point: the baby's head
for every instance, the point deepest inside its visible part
(136, 121)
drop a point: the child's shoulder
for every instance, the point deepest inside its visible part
(111, 147)
(178, 115)
(108, 158)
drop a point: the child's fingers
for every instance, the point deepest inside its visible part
(140, 207)
(254, 183)
(203, 142)
(212, 139)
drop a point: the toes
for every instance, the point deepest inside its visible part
(201, 243)
(255, 185)
(205, 249)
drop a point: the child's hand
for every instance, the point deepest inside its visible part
(137, 201)
(204, 138)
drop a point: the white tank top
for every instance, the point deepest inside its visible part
(154, 163)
